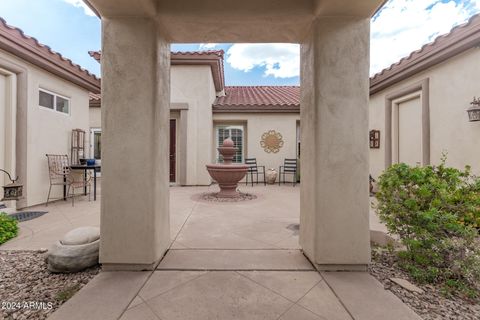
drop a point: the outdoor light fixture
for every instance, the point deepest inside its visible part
(474, 110)
(374, 138)
(12, 191)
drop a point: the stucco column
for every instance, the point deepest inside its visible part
(334, 225)
(135, 113)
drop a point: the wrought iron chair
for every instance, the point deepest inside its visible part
(60, 174)
(253, 169)
(289, 167)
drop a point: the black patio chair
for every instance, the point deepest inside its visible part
(253, 169)
(289, 167)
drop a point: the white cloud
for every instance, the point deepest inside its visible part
(209, 46)
(81, 4)
(280, 60)
(403, 26)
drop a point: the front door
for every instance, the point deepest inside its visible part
(173, 145)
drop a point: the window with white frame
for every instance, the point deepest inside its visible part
(52, 101)
(234, 132)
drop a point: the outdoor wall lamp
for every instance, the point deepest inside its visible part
(12, 191)
(474, 110)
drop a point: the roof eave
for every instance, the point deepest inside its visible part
(51, 62)
(444, 47)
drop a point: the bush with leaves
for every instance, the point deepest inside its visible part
(435, 210)
(8, 227)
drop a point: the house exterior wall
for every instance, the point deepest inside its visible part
(193, 88)
(451, 86)
(47, 131)
(95, 117)
(256, 124)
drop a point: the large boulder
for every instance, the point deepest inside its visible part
(77, 251)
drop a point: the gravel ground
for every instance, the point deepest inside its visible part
(212, 197)
(29, 291)
(431, 305)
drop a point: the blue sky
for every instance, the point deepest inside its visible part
(402, 26)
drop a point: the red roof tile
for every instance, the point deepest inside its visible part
(259, 99)
(14, 41)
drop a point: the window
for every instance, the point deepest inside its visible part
(236, 134)
(54, 102)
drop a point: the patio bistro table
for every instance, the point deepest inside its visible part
(85, 168)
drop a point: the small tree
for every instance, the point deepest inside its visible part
(435, 210)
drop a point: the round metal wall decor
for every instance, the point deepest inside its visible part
(271, 141)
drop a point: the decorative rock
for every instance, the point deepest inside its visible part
(82, 235)
(77, 251)
(271, 176)
(407, 285)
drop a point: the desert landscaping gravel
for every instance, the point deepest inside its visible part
(431, 305)
(29, 291)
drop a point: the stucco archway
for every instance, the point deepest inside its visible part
(334, 38)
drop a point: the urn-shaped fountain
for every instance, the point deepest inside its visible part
(227, 174)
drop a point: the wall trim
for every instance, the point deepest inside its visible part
(423, 87)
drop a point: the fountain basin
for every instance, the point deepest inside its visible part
(227, 177)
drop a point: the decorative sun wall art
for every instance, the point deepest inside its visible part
(271, 141)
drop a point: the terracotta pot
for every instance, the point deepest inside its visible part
(271, 176)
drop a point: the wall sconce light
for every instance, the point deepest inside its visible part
(12, 191)
(474, 110)
(374, 137)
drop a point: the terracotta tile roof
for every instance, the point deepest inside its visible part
(259, 99)
(458, 40)
(14, 41)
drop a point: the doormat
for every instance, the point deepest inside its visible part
(27, 215)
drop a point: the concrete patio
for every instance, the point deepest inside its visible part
(226, 261)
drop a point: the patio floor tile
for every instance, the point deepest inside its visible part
(219, 295)
(323, 302)
(298, 313)
(162, 281)
(365, 297)
(140, 312)
(234, 260)
(289, 284)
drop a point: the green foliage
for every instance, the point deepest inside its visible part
(8, 227)
(436, 212)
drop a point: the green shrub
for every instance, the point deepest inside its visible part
(435, 210)
(8, 227)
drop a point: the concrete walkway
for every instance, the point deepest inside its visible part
(226, 261)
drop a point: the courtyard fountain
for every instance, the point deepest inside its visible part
(227, 174)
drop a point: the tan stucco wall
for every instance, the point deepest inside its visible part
(255, 125)
(48, 131)
(192, 87)
(452, 85)
(95, 117)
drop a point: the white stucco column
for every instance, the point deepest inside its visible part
(334, 225)
(135, 113)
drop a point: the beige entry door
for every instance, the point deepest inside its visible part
(409, 131)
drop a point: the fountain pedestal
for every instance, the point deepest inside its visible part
(227, 174)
